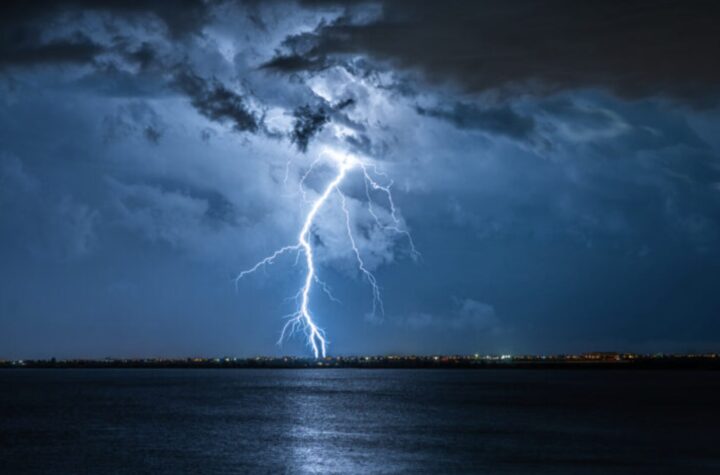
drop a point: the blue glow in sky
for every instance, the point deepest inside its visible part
(558, 168)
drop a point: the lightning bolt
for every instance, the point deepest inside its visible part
(302, 318)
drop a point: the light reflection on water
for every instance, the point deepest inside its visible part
(352, 421)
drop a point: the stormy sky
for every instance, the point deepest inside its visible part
(557, 163)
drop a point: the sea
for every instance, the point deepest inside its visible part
(236, 421)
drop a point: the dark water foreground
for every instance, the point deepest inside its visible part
(351, 421)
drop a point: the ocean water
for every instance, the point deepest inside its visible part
(359, 421)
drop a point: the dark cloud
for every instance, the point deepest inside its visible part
(144, 56)
(634, 48)
(152, 134)
(293, 63)
(345, 103)
(216, 102)
(23, 26)
(181, 17)
(495, 120)
(299, 52)
(308, 122)
(18, 50)
(206, 134)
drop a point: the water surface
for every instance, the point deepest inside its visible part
(352, 420)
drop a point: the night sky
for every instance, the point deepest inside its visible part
(557, 163)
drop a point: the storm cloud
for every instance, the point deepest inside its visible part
(635, 48)
(494, 120)
(557, 164)
(216, 102)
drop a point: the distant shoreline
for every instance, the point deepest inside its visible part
(601, 361)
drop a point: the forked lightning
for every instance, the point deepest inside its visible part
(302, 318)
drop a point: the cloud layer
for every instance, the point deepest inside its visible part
(557, 164)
